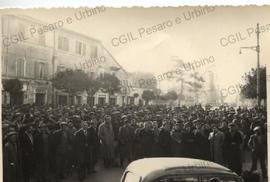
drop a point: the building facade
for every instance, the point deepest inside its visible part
(28, 60)
(34, 58)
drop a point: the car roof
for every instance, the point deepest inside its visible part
(155, 167)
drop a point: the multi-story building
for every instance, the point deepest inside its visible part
(34, 57)
(28, 59)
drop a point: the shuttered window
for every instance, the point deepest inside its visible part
(20, 68)
(41, 70)
(63, 43)
(80, 48)
(30, 69)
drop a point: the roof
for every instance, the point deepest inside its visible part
(33, 20)
(155, 167)
(114, 59)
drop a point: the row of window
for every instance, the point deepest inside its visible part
(63, 42)
(22, 68)
(80, 47)
(38, 38)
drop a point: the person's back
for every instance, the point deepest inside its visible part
(251, 177)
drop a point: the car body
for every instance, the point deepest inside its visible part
(177, 170)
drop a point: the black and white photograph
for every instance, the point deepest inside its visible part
(135, 94)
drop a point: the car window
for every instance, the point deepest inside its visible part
(131, 177)
(219, 179)
(177, 178)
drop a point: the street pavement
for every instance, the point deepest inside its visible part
(113, 174)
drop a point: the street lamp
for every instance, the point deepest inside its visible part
(257, 49)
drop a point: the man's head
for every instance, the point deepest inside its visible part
(64, 126)
(12, 136)
(107, 119)
(232, 127)
(178, 126)
(155, 124)
(187, 126)
(92, 123)
(167, 126)
(43, 127)
(30, 128)
(84, 125)
(147, 125)
(257, 130)
(215, 128)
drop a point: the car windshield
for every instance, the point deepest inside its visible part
(212, 178)
(177, 178)
(219, 179)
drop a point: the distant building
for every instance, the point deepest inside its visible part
(35, 57)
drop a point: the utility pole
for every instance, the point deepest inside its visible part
(257, 49)
(258, 65)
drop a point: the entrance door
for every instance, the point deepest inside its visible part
(79, 100)
(16, 99)
(62, 100)
(131, 100)
(91, 101)
(101, 101)
(112, 101)
(40, 99)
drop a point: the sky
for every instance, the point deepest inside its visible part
(189, 40)
(119, 3)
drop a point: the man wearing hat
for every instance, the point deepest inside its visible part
(82, 150)
(216, 138)
(176, 135)
(60, 144)
(188, 141)
(201, 141)
(258, 143)
(106, 136)
(165, 140)
(12, 170)
(41, 151)
(26, 141)
(93, 142)
(147, 140)
(125, 137)
(232, 142)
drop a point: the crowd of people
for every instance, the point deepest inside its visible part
(44, 143)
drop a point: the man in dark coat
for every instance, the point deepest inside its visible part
(125, 137)
(41, 152)
(176, 135)
(26, 144)
(60, 145)
(201, 141)
(106, 136)
(233, 140)
(156, 130)
(137, 142)
(164, 141)
(188, 141)
(258, 144)
(147, 140)
(12, 170)
(81, 150)
(93, 142)
(133, 129)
